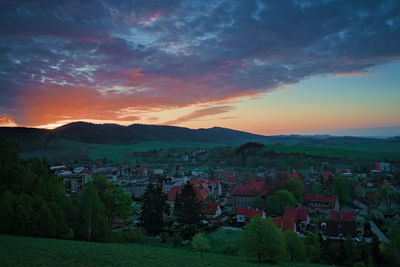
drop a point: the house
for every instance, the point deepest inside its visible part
(243, 194)
(215, 187)
(293, 175)
(289, 224)
(340, 224)
(200, 191)
(230, 180)
(383, 166)
(211, 210)
(245, 214)
(318, 203)
(172, 193)
(300, 215)
(285, 224)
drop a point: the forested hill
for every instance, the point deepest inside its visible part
(137, 133)
(117, 134)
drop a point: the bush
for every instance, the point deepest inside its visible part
(230, 249)
(176, 239)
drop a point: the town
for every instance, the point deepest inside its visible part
(333, 202)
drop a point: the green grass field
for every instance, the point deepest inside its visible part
(367, 151)
(64, 150)
(221, 238)
(27, 251)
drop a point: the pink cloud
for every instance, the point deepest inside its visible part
(345, 74)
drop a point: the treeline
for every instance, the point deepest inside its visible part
(34, 203)
(261, 240)
(256, 155)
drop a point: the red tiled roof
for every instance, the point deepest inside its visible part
(277, 220)
(201, 194)
(249, 213)
(294, 175)
(210, 208)
(302, 214)
(172, 192)
(321, 198)
(198, 181)
(288, 224)
(378, 165)
(252, 188)
(345, 215)
(290, 213)
(299, 213)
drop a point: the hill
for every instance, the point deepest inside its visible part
(136, 133)
(28, 251)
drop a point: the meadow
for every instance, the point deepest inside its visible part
(64, 150)
(28, 251)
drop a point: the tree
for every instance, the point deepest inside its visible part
(116, 202)
(258, 203)
(387, 194)
(91, 214)
(176, 239)
(6, 211)
(349, 250)
(210, 198)
(277, 203)
(261, 239)
(295, 248)
(317, 188)
(343, 190)
(200, 243)
(45, 225)
(188, 211)
(296, 187)
(32, 200)
(154, 206)
(313, 247)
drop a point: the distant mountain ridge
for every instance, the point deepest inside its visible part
(137, 133)
(118, 134)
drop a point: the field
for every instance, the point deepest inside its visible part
(366, 151)
(220, 238)
(27, 251)
(63, 149)
(363, 149)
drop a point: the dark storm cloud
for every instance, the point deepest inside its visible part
(177, 53)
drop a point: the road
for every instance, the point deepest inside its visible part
(378, 232)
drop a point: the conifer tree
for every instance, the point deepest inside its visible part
(188, 211)
(154, 206)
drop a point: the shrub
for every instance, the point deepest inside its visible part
(176, 239)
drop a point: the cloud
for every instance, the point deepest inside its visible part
(168, 54)
(7, 121)
(200, 113)
(345, 74)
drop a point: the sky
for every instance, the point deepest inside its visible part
(267, 67)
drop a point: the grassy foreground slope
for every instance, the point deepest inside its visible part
(28, 251)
